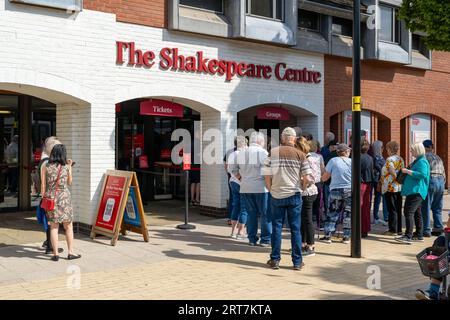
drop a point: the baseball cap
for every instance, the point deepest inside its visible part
(289, 132)
(343, 147)
(333, 143)
(427, 143)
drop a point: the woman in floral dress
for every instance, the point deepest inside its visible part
(58, 165)
(391, 188)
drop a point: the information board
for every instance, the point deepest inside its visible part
(120, 207)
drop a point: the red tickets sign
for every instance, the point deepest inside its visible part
(162, 108)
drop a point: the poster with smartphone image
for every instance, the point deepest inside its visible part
(131, 216)
(109, 204)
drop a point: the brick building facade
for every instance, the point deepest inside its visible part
(393, 94)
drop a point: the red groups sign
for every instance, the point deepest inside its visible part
(171, 59)
(271, 113)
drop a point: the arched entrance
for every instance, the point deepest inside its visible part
(35, 105)
(143, 144)
(268, 117)
(144, 127)
(376, 126)
(421, 126)
(24, 121)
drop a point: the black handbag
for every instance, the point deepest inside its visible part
(402, 176)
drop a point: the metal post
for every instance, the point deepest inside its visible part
(186, 225)
(356, 134)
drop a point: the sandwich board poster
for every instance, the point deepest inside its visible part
(131, 216)
(120, 189)
(110, 202)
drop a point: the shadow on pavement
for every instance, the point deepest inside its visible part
(20, 251)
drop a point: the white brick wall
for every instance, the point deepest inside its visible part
(70, 61)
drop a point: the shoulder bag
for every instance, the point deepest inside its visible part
(48, 203)
(402, 176)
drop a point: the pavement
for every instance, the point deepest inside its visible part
(206, 263)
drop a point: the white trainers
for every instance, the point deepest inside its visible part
(241, 237)
(233, 236)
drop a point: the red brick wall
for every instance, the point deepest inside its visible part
(151, 13)
(392, 90)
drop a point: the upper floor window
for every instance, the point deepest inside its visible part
(342, 27)
(309, 20)
(211, 5)
(272, 9)
(390, 25)
(418, 44)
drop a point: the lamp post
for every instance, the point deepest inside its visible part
(356, 132)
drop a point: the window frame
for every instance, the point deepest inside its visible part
(203, 9)
(341, 35)
(319, 22)
(76, 7)
(274, 13)
(422, 46)
(396, 26)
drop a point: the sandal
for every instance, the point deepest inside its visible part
(55, 258)
(73, 256)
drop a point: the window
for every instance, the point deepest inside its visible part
(390, 25)
(342, 27)
(418, 44)
(211, 5)
(272, 9)
(73, 5)
(309, 20)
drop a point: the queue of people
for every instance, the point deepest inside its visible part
(311, 190)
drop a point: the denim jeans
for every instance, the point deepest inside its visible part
(378, 197)
(230, 199)
(326, 198)
(256, 206)
(340, 206)
(290, 207)
(433, 202)
(238, 213)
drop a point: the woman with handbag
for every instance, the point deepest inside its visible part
(415, 189)
(56, 176)
(391, 188)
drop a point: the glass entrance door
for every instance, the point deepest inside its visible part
(43, 126)
(9, 152)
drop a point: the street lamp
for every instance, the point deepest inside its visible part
(356, 129)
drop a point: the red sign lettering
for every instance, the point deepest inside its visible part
(170, 58)
(163, 108)
(272, 113)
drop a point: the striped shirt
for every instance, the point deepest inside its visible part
(287, 165)
(436, 164)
